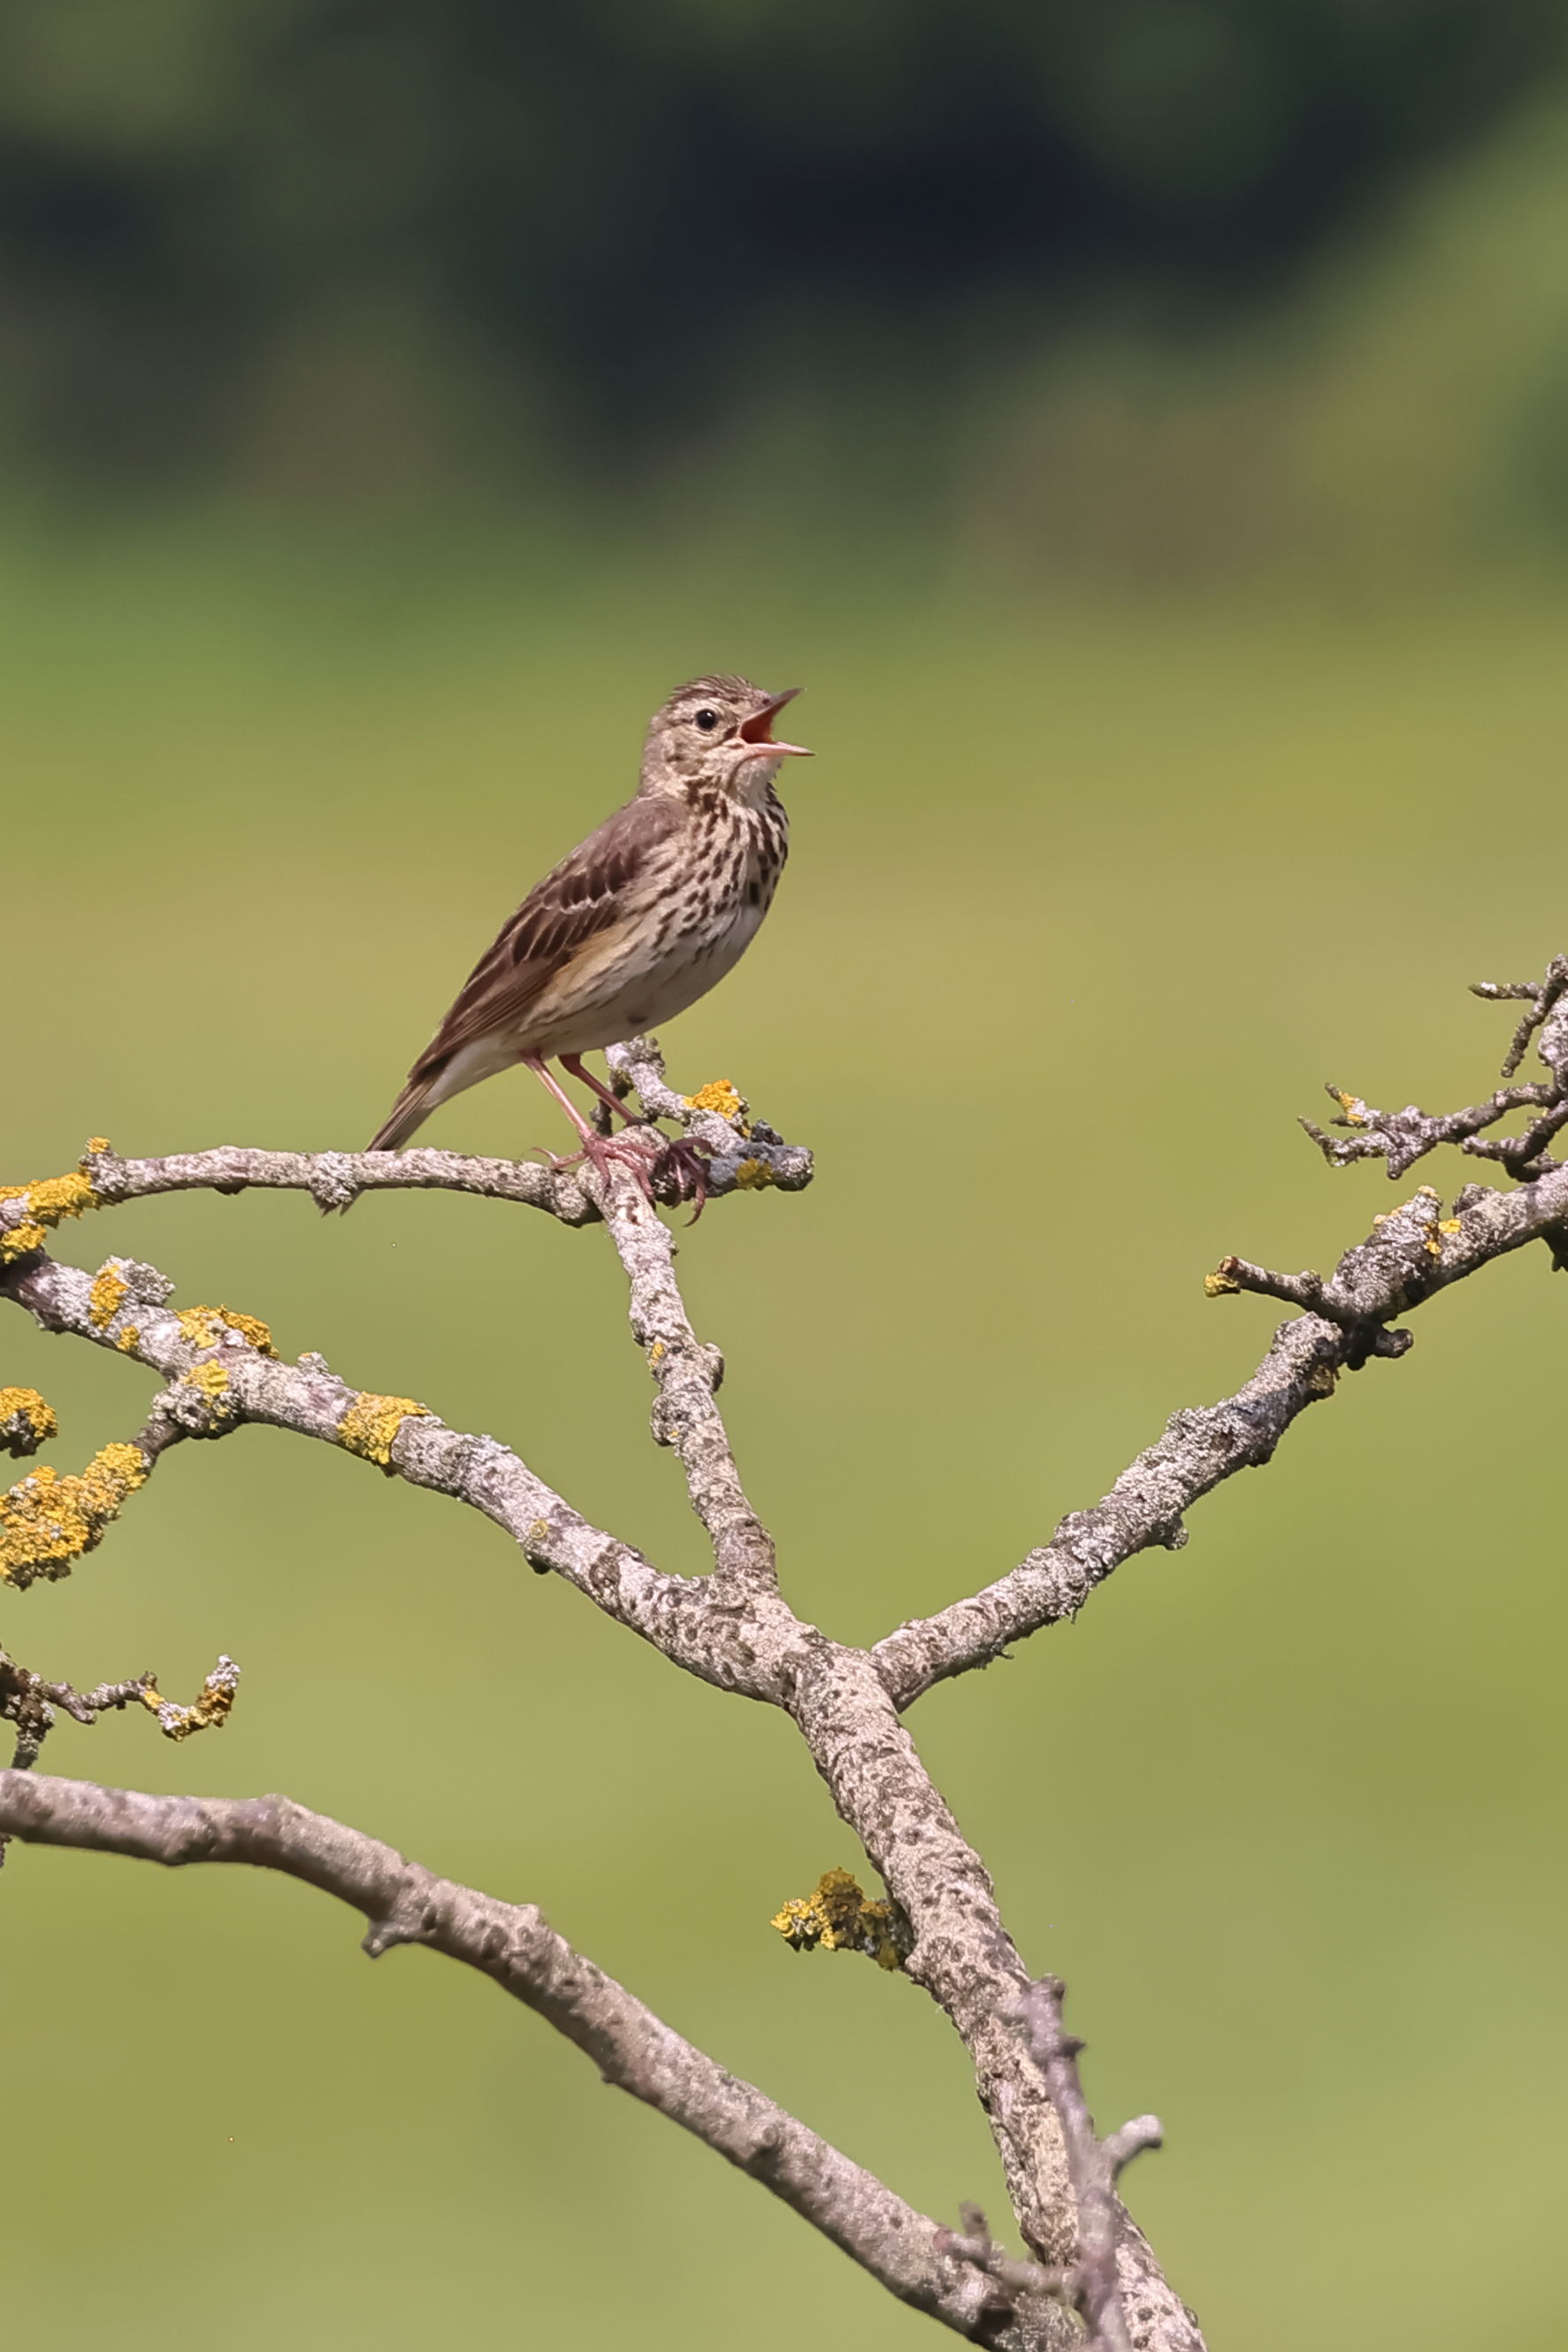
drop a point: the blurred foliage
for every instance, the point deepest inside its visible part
(596, 224)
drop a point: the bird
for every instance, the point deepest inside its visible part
(642, 919)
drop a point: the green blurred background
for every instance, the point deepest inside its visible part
(1147, 435)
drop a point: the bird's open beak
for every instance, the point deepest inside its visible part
(756, 732)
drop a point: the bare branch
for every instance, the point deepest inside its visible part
(1548, 1002)
(1094, 2278)
(514, 1946)
(974, 2243)
(334, 1179)
(963, 1957)
(687, 1374)
(29, 1701)
(1403, 1137)
(1411, 1255)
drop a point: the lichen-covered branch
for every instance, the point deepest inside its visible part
(221, 1372)
(742, 1158)
(516, 1947)
(30, 1701)
(27, 1421)
(32, 1705)
(733, 1629)
(48, 1522)
(747, 1155)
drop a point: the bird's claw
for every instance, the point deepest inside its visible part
(673, 1156)
(604, 1152)
(690, 1167)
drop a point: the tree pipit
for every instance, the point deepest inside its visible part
(645, 917)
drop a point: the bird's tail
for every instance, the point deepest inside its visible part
(411, 1111)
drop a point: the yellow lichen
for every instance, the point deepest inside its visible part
(26, 1421)
(838, 1916)
(205, 1326)
(371, 1423)
(109, 1294)
(209, 1378)
(1219, 1284)
(129, 1339)
(47, 1521)
(753, 1176)
(657, 1352)
(1415, 1207)
(1355, 1110)
(209, 1710)
(44, 1202)
(721, 1096)
(250, 1328)
(95, 1143)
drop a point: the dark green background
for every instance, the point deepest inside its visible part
(581, 235)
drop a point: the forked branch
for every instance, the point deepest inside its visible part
(1091, 2268)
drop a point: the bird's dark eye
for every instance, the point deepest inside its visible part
(707, 721)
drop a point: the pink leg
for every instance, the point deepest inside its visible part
(600, 1149)
(573, 1065)
(541, 1070)
(687, 1161)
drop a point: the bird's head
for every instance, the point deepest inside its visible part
(717, 732)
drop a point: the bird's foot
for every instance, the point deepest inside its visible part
(684, 1164)
(604, 1152)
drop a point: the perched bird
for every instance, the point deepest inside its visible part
(645, 917)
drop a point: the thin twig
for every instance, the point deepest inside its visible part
(1093, 2276)
(1403, 1137)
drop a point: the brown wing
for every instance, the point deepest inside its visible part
(585, 894)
